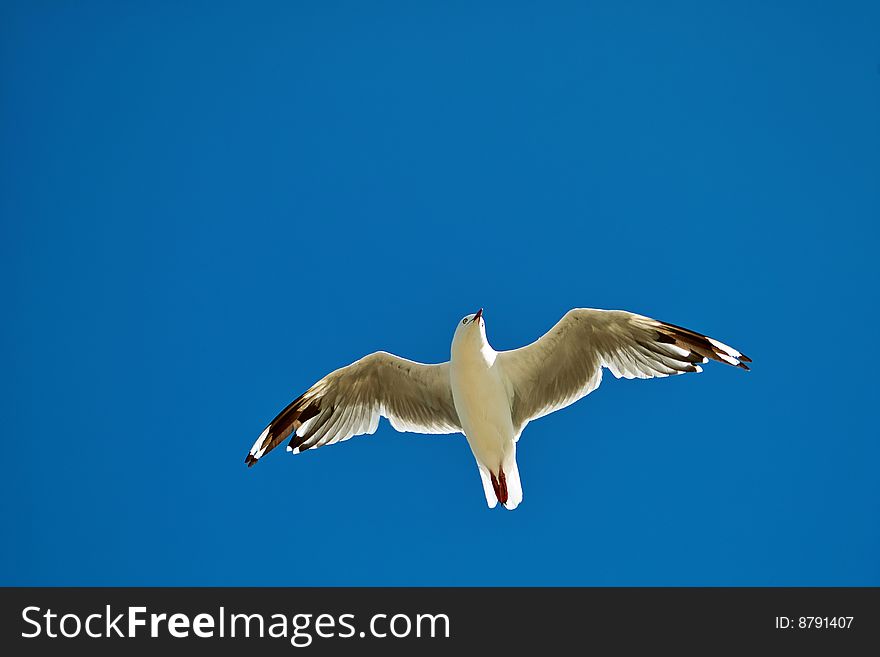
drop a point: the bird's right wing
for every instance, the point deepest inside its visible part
(565, 364)
(349, 401)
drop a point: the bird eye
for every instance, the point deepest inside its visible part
(464, 321)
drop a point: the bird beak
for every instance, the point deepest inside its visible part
(478, 315)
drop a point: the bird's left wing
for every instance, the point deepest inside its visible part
(349, 401)
(565, 364)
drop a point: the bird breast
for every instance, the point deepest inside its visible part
(483, 407)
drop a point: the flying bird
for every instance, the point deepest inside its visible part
(489, 396)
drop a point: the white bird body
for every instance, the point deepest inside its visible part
(489, 396)
(481, 394)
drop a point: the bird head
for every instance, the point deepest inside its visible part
(471, 329)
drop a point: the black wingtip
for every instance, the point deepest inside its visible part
(295, 442)
(250, 460)
(744, 366)
(745, 358)
(662, 337)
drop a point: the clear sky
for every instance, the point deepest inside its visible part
(207, 206)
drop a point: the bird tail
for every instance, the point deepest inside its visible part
(510, 472)
(488, 486)
(504, 487)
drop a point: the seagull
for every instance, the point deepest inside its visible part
(489, 396)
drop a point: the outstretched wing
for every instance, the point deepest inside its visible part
(348, 402)
(566, 363)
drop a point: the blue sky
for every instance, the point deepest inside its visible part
(207, 206)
